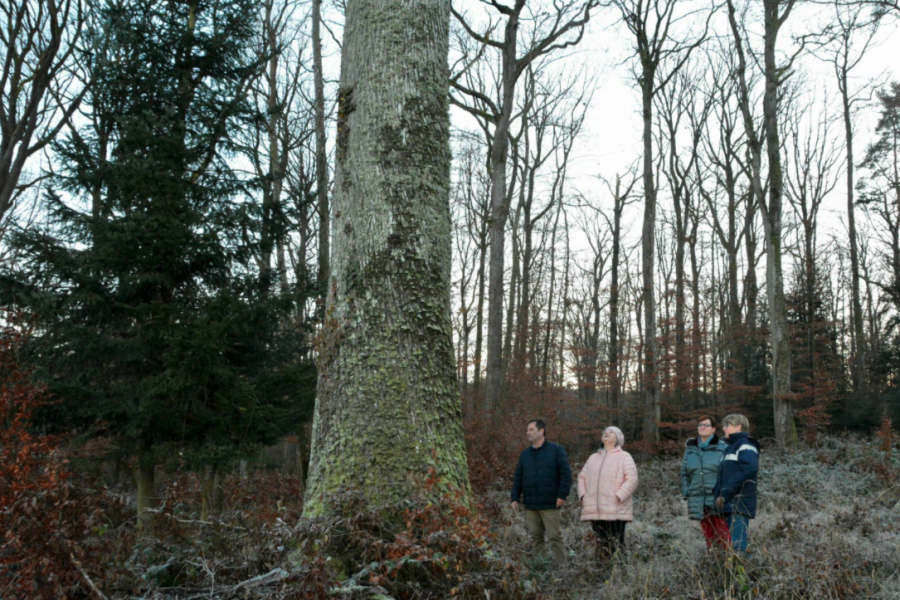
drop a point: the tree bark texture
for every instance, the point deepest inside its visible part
(388, 409)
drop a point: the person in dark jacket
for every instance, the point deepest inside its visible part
(699, 472)
(543, 479)
(735, 488)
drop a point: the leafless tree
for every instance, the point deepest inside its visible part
(769, 199)
(656, 45)
(811, 175)
(554, 29)
(683, 113)
(40, 88)
(843, 44)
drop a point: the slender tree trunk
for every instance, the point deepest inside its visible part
(479, 318)
(785, 429)
(648, 270)
(321, 154)
(388, 410)
(512, 304)
(565, 311)
(680, 358)
(144, 478)
(545, 362)
(860, 374)
(522, 326)
(593, 346)
(734, 322)
(810, 276)
(267, 233)
(641, 366)
(696, 340)
(751, 291)
(463, 360)
(500, 214)
(207, 488)
(614, 351)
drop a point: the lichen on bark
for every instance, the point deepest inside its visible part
(388, 409)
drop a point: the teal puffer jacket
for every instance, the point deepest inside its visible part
(699, 470)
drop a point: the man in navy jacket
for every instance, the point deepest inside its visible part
(735, 489)
(543, 479)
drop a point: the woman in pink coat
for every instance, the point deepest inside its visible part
(605, 487)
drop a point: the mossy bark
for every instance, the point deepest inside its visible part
(388, 408)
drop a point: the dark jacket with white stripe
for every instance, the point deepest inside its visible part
(736, 482)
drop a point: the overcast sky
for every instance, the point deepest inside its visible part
(611, 137)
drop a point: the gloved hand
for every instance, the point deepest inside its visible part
(720, 502)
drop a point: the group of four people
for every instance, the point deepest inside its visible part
(718, 481)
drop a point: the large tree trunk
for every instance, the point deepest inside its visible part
(648, 270)
(321, 155)
(388, 409)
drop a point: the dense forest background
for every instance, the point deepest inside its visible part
(657, 209)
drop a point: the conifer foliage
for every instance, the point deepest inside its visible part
(153, 324)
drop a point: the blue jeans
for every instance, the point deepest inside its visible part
(739, 527)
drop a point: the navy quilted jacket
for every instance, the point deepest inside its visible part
(736, 482)
(542, 475)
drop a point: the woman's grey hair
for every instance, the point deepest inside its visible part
(620, 437)
(737, 419)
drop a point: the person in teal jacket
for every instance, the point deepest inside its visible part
(699, 470)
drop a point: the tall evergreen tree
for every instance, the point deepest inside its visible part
(154, 327)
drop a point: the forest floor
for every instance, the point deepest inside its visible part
(828, 527)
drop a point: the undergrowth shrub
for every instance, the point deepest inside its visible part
(415, 550)
(38, 514)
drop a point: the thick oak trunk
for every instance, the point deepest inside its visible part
(388, 409)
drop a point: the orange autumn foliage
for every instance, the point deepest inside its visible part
(36, 560)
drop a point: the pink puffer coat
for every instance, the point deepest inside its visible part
(605, 486)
